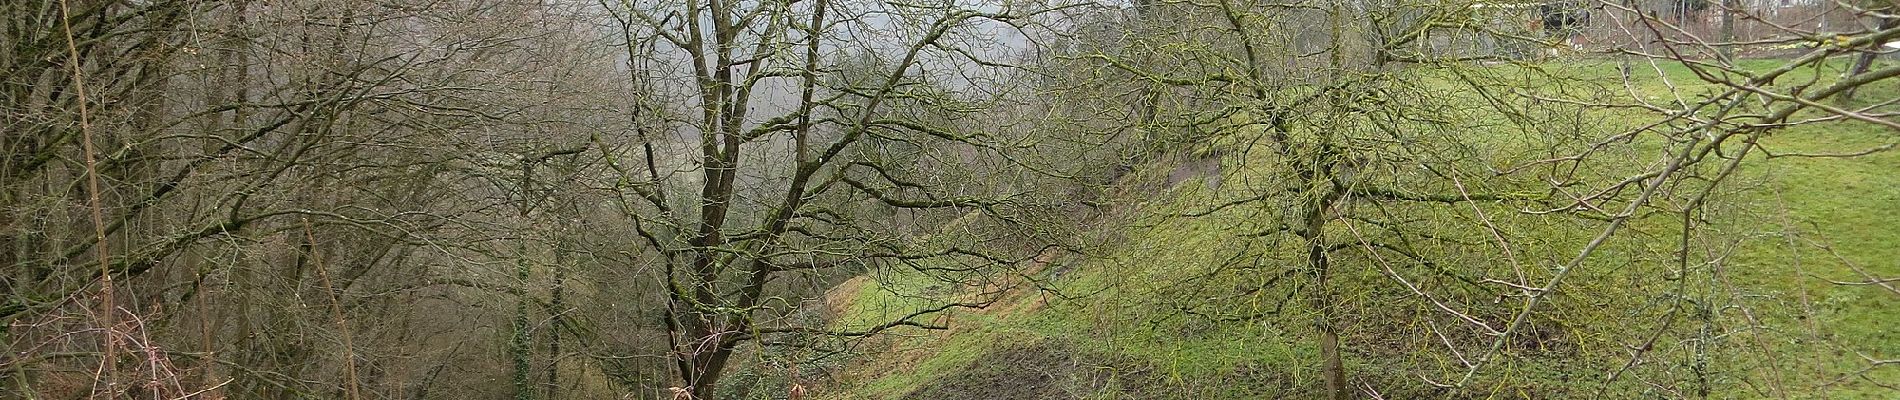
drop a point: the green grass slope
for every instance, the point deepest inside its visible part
(1201, 308)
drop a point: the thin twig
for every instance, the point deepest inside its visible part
(105, 371)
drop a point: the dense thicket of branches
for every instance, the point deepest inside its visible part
(1436, 183)
(287, 192)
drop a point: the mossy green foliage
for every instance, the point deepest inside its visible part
(1209, 307)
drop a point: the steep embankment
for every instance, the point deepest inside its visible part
(1200, 307)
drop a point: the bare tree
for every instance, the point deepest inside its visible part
(794, 145)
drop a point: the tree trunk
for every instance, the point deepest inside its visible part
(518, 343)
(1866, 59)
(1318, 264)
(1332, 367)
(707, 370)
(1728, 30)
(557, 304)
(1320, 178)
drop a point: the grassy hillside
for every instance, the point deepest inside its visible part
(1197, 308)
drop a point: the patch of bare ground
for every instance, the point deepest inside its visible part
(1042, 371)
